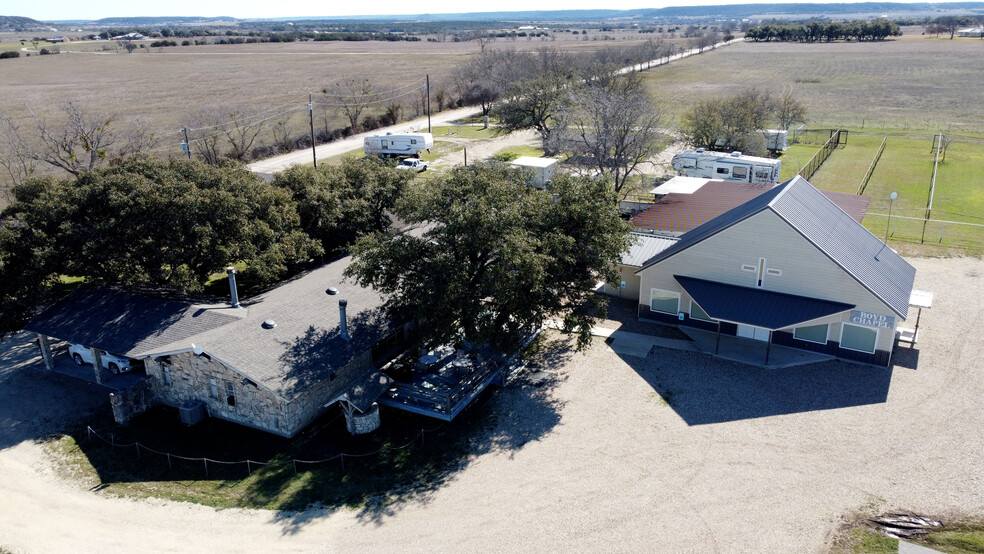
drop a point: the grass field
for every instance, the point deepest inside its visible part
(845, 168)
(913, 82)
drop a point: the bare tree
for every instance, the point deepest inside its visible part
(78, 146)
(352, 96)
(142, 136)
(481, 81)
(611, 128)
(789, 110)
(241, 130)
(281, 134)
(482, 38)
(16, 156)
(205, 135)
(127, 45)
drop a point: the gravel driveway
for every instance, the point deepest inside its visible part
(737, 459)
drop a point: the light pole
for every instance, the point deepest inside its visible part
(891, 200)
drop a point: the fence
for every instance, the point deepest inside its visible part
(837, 137)
(142, 449)
(951, 230)
(871, 168)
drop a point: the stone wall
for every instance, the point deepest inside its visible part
(184, 377)
(310, 404)
(133, 401)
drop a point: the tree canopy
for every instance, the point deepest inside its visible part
(734, 123)
(146, 223)
(496, 258)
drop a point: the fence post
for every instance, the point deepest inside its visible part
(206, 466)
(169, 462)
(293, 461)
(342, 457)
(248, 470)
(138, 449)
(88, 432)
(112, 440)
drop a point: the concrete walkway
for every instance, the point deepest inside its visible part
(636, 344)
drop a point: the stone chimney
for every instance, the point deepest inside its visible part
(341, 315)
(231, 272)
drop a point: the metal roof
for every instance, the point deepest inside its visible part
(645, 246)
(830, 229)
(681, 211)
(758, 307)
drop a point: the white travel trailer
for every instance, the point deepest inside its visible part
(389, 145)
(727, 167)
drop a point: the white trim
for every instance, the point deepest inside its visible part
(826, 338)
(840, 342)
(674, 293)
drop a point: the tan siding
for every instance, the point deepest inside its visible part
(805, 270)
(631, 290)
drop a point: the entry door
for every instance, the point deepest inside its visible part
(750, 332)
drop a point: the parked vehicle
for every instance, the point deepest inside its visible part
(390, 145)
(727, 167)
(115, 364)
(413, 164)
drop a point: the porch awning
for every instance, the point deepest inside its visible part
(757, 307)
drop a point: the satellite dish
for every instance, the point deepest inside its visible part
(197, 349)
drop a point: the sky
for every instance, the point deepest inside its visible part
(53, 10)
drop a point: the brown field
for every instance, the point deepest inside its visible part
(914, 82)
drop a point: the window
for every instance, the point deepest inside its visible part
(230, 394)
(855, 337)
(722, 171)
(697, 312)
(812, 333)
(413, 141)
(213, 388)
(167, 375)
(740, 172)
(664, 301)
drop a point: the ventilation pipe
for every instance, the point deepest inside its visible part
(341, 314)
(231, 272)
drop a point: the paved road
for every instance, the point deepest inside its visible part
(279, 163)
(354, 142)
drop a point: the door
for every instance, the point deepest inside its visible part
(755, 333)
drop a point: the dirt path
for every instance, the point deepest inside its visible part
(483, 149)
(737, 459)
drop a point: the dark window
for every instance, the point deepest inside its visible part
(230, 394)
(722, 170)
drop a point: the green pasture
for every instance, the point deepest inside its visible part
(463, 131)
(794, 158)
(846, 166)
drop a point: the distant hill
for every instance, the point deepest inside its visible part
(671, 14)
(15, 23)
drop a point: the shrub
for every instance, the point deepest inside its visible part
(11, 54)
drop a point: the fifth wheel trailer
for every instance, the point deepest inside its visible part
(727, 167)
(397, 145)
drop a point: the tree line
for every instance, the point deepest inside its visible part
(817, 31)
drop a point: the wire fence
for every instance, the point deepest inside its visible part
(837, 137)
(871, 168)
(142, 450)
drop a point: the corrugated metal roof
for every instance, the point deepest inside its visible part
(645, 246)
(758, 307)
(833, 231)
(679, 212)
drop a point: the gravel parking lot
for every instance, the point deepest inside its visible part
(676, 452)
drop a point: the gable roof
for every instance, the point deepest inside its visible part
(644, 246)
(830, 229)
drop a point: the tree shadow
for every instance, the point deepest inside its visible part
(703, 389)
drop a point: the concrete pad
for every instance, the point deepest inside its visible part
(631, 344)
(911, 548)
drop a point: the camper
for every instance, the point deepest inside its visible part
(390, 145)
(539, 171)
(727, 167)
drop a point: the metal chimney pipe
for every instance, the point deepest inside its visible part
(341, 315)
(231, 272)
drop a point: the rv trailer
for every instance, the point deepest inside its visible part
(727, 167)
(390, 145)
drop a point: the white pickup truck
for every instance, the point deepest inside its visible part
(413, 164)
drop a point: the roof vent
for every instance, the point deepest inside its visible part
(736, 154)
(269, 324)
(699, 150)
(332, 291)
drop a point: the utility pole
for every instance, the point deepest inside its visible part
(187, 143)
(428, 87)
(314, 152)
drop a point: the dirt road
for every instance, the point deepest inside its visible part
(736, 459)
